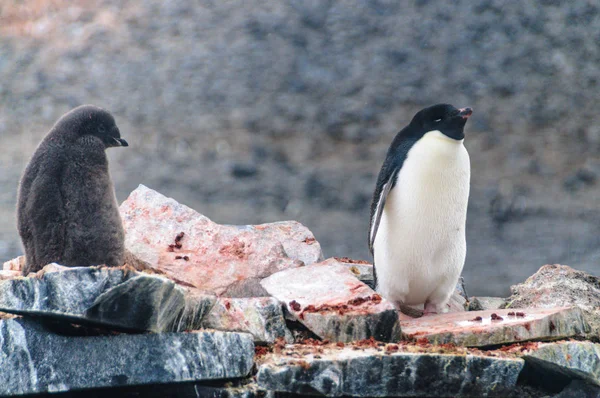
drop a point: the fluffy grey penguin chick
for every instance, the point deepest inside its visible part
(67, 211)
(419, 210)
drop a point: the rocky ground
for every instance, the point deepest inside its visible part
(273, 319)
(284, 110)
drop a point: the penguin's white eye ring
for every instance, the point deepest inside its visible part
(437, 120)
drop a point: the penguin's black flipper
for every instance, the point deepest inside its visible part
(378, 211)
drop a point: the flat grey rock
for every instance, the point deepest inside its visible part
(332, 303)
(573, 359)
(375, 373)
(108, 297)
(35, 360)
(260, 316)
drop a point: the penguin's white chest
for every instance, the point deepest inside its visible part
(420, 245)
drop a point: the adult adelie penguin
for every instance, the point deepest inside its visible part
(419, 210)
(67, 211)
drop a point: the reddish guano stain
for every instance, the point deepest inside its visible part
(294, 305)
(496, 317)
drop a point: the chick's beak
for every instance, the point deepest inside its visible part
(120, 142)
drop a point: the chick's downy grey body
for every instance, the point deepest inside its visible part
(419, 210)
(67, 211)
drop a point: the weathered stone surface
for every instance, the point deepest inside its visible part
(260, 316)
(34, 360)
(486, 303)
(372, 372)
(197, 306)
(16, 264)
(212, 257)
(560, 285)
(573, 359)
(478, 329)
(212, 389)
(361, 269)
(111, 297)
(329, 300)
(8, 274)
(246, 389)
(457, 302)
(579, 389)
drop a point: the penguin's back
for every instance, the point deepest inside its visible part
(40, 209)
(420, 244)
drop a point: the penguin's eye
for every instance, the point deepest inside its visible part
(101, 128)
(437, 120)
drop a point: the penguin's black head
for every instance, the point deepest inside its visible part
(444, 118)
(90, 120)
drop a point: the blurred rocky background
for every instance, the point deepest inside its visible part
(259, 111)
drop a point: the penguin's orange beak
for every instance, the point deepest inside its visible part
(465, 112)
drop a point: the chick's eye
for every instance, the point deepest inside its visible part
(101, 128)
(437, 120)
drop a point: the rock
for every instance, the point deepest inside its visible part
(213, 389)
(579, 389)
(8, 274)
(571, 359)
(329, 300)
(35, 360)
(261, 316)
(245, 389)
(172, 239)
(197, 306)
(457, 302)
(16, 264)
(486, 303)
(360, 268)
(560, 285)
(386, 371)
(493, 327)
(108, 297)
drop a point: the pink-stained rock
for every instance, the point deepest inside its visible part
(560, 285)
(172, 239)
(493, 327)
(16, 264)
(361, 269)
(260, 316)
(9, 274)
(52, 267)
(331, 302)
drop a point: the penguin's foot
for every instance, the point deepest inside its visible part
(431, 309)
(408, 310)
